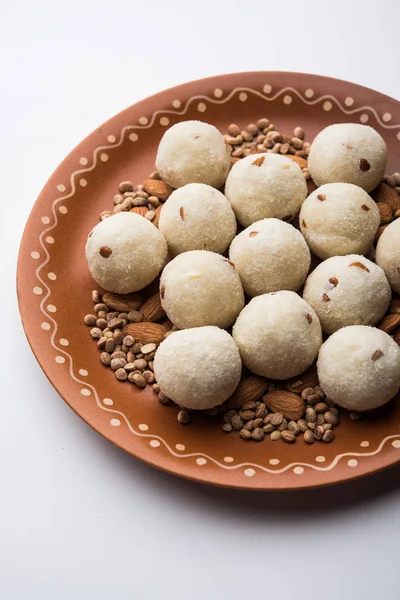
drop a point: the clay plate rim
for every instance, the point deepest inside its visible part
(234, 92)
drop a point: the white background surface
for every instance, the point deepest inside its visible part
(79, 519)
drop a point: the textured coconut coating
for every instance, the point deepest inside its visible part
(270, 255)
(193, 152)
(201, 288)
(350, 153)
(388, 254)
(278, 335)
(125, 252)
(347, 290)
(265, 185)
(198, 368)
(338, 219)
(359, 367)
(197, 217)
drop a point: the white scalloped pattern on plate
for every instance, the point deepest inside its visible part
(248, 469)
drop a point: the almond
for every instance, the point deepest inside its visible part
(389, 323)
(156, 218)
(259, 161)
(298, 159)
(307, 379)
(395, 306)
(157, 187)
(123, 302)
(386, 195)
(385, 212)
(379, 232)
(140, 210)
(290, 405)
(146, 333)
(359, 265)
(152, 309)
(249, 389)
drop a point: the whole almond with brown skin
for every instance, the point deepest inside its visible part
(307, 379)
(290, 405)
(385, 212)
(387, 195)
(379, 232)
(146, 333)
(157, 187)
(122, 302)
(249, 389)
(298, 159)
(395, 306)
(156, 218)
(389, 323)
(152, 310)
(139, 210)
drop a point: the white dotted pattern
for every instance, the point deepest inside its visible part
(327, 106)
(51, 308)
(164, 121)
(35, 255)
(83, 372)
(52, 276)
(364, 118)
(309, 93)
(50, 240)
(180, 447)
(249, 472)
(46, 326)
(83, 160)
(133, 137)
(364, 444)
(176, 103)
(115, 422)
(103, 157)
(201, 107)
(143, 427)
(45, 220)
(64, 342)
(201, 461)
(143, 120)
(242, 97)
(112, 139)
(108, 401)
(274, 461)
(60, 360)
(287, 99)
(228, 459)
(320, 459)
(38, 291)
(267, 89)
(298, 470)
(83, 182)
(396, 443)
(85, 392)
(61, 187)
(154, 443)
(386, 117)
(218, 93)
(349, 101)
(352, 462)
(63, 210)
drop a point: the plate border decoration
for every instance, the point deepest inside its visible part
(100, 155)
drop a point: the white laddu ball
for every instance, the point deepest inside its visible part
(349, 153)
(201, 288)
(278, 335)
(198, 368)
(197, 217)
(270, 255)
(359, 367)
(265, 185)
(388, 254)
(347, 290)
(193, 152)
(125, 253)
(338, 219)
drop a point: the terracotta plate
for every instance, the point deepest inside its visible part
(54, 284)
